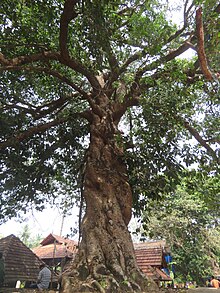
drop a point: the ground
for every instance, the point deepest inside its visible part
(196, 290)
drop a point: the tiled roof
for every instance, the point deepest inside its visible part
(20, 262)
(162, 276)
(149, 257)
(54, 246)
(51, 238)
(51, 251)
(156, 274)
(151, 244)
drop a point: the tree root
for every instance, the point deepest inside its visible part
(102, 280)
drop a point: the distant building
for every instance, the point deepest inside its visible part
(20, 261)
(53, 249)
(150, 255)
(151, 259)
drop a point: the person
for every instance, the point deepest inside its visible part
(208, 283)
(44, 277)
(191, 285)
(214, 282)
(2, 270)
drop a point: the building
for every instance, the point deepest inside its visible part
(150, 255)
(151, 259)
(53, 249)
(20, 261)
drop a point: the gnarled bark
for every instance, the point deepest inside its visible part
(105, 261)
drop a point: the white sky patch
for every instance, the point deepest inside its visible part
(43, 223)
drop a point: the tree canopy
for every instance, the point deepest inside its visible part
(135, 47)
(97, 105)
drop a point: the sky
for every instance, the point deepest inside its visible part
(50, 221)
(42, 223)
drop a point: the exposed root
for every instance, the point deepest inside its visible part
(98, 286)
(101, 280)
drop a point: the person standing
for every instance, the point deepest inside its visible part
(44, 278)
(214, 282)
(2, 270)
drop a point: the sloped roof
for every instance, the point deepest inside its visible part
(51, 238)
(54, 246)
(149, 257)
(20, 262)
(156, 274)
(52, 251)
(151, 244)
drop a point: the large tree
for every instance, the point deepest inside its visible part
(75, 73)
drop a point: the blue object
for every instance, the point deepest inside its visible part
(168, 258)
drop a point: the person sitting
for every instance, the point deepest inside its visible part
(214, 282)
(44, 277)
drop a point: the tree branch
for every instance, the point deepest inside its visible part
(13, 141)
(48, 71)
(161, 73)
(201, 51)
(30, 132)
(198, 137)
(137, 55)
(69, 14)
(214, 140)
(217, 9)
(48, 108)
(185, 17)
(14, 65)
(131, 59)
(172, 55)
(130, 99)
(22, 60)
(119, 109)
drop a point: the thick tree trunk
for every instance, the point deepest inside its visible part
(105, 261)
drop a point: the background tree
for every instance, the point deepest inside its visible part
(190, 226)
(74, 74)
(28, 239)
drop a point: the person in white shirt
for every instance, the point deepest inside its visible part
(44, 278)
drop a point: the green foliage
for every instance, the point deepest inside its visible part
(29, 26)
(29, 240)
(190, 225)
(103, 283)
(39, 167)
